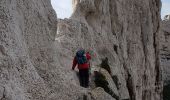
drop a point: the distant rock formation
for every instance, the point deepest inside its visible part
(167, 17)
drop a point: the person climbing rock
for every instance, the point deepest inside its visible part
(81, 60)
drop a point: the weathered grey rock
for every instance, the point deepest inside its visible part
(167, 17)
(165, 50)
(99, 94)
(1, 92)
(125, 31)
(29, 65)
(35, 67)
(110, 81)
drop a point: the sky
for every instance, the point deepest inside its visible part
(165, 8)
(63, 8)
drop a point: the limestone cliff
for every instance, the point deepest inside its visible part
(35, 62)
(31, 63)
(125, 31)
(29, 66)
(165, 49)
(165, 55)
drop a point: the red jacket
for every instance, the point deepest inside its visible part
(82, 66)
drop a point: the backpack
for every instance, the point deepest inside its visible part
(81, 57)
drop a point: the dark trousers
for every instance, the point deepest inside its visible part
(84, 77)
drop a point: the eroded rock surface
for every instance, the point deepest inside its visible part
(99, 94)
(29, 66)
(165, 49)
(33, 66)
(125, 31)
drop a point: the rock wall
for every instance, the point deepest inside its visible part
(165, 49)
(33, 66)
(29, 65)
(165, 55)
(22, 26)
(125, 31)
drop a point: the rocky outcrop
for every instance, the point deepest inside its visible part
(127, 32)
(167, 18)
(35, 62)
(24, 25)
(165, 56)
(29, 66)
(99, 94)
(165, 49)
(109, 79)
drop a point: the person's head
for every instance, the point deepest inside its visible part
(81, 49)
(89, 50)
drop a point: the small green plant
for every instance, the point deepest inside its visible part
(105, 65)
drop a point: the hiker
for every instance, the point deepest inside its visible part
(82, 60)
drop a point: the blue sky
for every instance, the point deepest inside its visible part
(165, 8)
(64, 8)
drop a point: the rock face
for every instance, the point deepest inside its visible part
(165, 56)
(125, 31)
(33, 66)
(99, 94)
(165, 50)
(24, 25)
(29, 66)
(167, 18)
